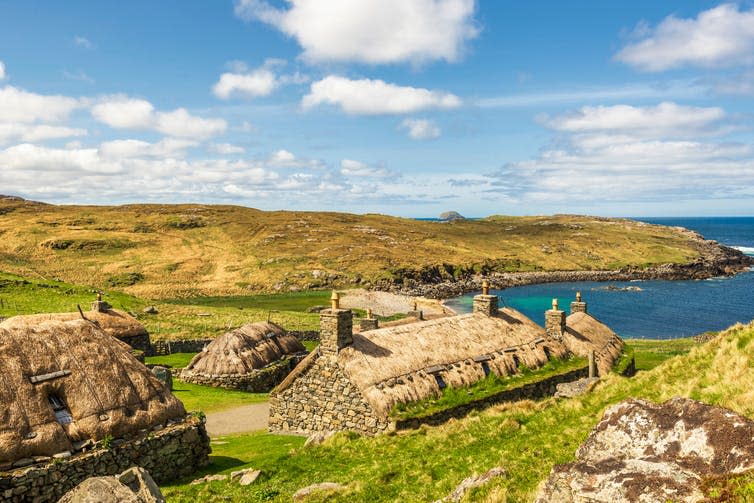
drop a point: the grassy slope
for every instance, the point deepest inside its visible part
(190, 250)
(526, 438)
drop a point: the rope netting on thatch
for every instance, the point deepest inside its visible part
(67, 381)
(244, 350)
(113, 322)
(399, 364)
(585, 333)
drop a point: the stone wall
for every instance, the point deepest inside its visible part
(160, 348)
(531, 391)
(260, 380)
(321, 398)
(171, 452)
(305, 335)
(140, 342)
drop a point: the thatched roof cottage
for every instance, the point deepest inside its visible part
(115, 323)
(254, 357)
(353, 380)
(65, 382)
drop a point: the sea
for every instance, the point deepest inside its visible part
(653, 309)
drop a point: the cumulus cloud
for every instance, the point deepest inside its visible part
(226, 149)
(351, 168)
(375, 97)
(254, 83)
(625, 153)
(122, 112)
(168, 147)
(387, 31)
(17, 105)
(718, 37)
(420, 129)
(13, 132)
(2, 70)
(667, 119)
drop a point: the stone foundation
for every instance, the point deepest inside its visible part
(161, 348)
(321, 398)
(261, 380)
(171, 452)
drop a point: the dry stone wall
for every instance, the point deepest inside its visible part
(322, 399)
(260, 380)
(171, 452)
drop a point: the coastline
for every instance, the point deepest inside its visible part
(715, 260)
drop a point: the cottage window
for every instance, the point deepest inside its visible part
(516, 362)
(440, 381)
(62, 414)
(486, 368)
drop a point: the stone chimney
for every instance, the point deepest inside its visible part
(100, 305)
(369, 323)
(578, 306)
(335, 327)
(485, 303)
(555, 321)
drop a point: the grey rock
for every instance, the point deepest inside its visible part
(62, 455)
(140, 488)
(249, 477)
(576, 388)
(208, 478)
(23, 462)
(318, 437)
(307, 491)
(150, 310)
(470, 483)
(164, 375)
(642, 451)
(449, 216)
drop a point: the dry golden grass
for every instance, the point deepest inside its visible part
(168, 251)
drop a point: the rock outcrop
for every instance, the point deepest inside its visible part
(134, 485)
(645, 452)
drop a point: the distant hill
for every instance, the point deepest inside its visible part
(167, 251)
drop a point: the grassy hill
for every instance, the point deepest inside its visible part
(170, 251)
(525, 438)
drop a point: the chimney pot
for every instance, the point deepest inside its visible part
(335, 300)
(485, 287)
(369, 313)
(578, 306)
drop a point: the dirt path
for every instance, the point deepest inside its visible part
(242, 419)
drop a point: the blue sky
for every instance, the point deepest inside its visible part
(405, 107)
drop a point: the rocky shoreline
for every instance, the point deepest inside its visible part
(714, 260)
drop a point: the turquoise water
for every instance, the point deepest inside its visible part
(660, 309)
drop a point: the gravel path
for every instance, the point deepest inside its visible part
(252, 417)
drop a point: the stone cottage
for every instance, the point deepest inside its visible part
(583, 334)
(254, 357)
(353, 380)
(114, 322)
(67, 387)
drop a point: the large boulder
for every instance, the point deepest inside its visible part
(646, 452)
(134, 485)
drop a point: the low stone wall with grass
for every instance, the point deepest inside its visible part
(167, 453)
(530, 391)
(261, 380)
(140, 342)
(305, 335)
(162, 348)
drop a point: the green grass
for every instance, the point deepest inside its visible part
(525, 438)
(650, 353)
(294, 301)
(491, 385)
(310, 345)
(174, 360)
(208, 399)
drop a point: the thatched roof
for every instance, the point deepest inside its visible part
(113, 322)
(245, 349)
(101, 386)
(584, 333)
(398, 364)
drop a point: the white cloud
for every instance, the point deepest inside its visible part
(285, 159)
(83, 42)
(375, 97)
(420, 129)
(19, 106)
(12, 132)
(122, 112)
(2, 70)
(168, 147)
(260, 82)
(375, 32)
(664, 120)
(351, 168)
(718, 37)
(226, 149)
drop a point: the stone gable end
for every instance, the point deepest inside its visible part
(322, 398)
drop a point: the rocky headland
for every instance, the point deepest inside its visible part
(714, 260)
